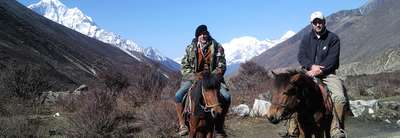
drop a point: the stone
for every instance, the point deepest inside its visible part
(370, 111)
(260, 108)
(388, 121)
(242, 110)
(359, 106)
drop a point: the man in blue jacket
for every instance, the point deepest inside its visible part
(319, 55)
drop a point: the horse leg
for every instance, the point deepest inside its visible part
(194, 121)
(210, 128)
(202, 130)
(319, 119)
(319, 133)
(305, 131)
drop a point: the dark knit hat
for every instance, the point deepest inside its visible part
(200, 29)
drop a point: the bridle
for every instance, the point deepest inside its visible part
(288, 112)
(208, 108)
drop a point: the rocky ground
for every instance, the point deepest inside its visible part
(261, 128)
(378, 118)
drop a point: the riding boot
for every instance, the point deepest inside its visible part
(219, 126)
(183, 130)
(337, 125)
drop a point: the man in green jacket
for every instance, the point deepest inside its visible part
(204, 53)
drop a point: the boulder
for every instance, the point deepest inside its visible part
(260, 108)
(359, 106)
(241, 110)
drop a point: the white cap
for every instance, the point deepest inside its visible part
(316, 15)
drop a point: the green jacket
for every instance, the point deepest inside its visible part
(189, 60)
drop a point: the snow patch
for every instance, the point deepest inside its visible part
(241, 49)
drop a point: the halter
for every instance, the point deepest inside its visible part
(285, 106)
(207, 107)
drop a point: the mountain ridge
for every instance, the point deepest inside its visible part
(27, 38)
(75, 19)
(365, 41)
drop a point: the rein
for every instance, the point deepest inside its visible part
(285, 106)
(207, 107)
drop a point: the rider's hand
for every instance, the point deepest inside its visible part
(310, 73)
(315, 70)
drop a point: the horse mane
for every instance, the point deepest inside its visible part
(283, 79)
(211, 82)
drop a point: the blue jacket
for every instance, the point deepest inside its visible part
(322, 51)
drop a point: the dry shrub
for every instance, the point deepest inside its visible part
(159, 119)
(115, 82)
(97, 116)
(19, 126)
(25, 81)
(112, 108)
(251, 81)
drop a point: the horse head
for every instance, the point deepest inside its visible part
(211, 86)
(285, 95)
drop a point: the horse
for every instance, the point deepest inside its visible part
(204, 106)
(299, 95)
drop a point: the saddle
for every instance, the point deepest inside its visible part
(328, 103)
(327, 99)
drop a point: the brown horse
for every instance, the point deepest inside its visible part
(204, 107)
(295, 92)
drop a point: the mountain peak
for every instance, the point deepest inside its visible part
(49, 3)
(56, 2)
(75, 19)
(244, 48)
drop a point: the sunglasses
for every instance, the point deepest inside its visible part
(318, 21)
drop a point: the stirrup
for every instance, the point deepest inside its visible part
(183, 130)
(339, 133)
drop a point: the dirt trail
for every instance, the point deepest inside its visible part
(261, 128)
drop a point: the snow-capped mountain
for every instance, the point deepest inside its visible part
(241, 49)
(75, 19)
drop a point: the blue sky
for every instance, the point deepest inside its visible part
(169, 25)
